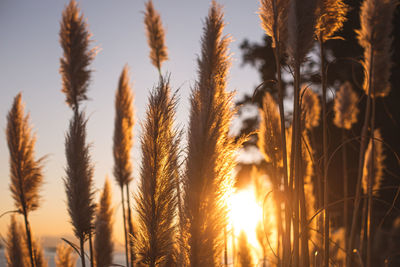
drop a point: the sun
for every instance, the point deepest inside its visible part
(245, 213)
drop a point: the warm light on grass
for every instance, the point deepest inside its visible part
(245, 213)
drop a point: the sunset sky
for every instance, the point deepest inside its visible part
(29, 63)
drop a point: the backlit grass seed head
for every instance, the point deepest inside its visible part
(310, 107)
(103, 243)
(156, 198)
(274, 15)
(74, 68)
(378, 158)
(345, 107)
(155, 36)
(123, 125)
(15, 252)
(79, 177)
(374, 36)
(269, 136)
(301, 24)
(330, 16)
(25, 171)
(64, 256)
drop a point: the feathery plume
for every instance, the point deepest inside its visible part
(64, 256)
(103, 243)
(345, 107)
(379, 158)
(155, 36)
(244, 252)
(75, 40)
(211, 150)
(274, 15)
(124, 121)
(123, 141)
(301, 22)
(16, 254)
(310, 107)
(79, 178)
(25, 171)
(156, 197)
(330, 17)
(269, 136)
(40, 260)
(375, 37)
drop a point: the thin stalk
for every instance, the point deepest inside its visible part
(82, 241)
(294, 164)
(363, 145)
(225, 247)
(345, 188)
(363, 227)
(325, 155)
(130, 226)
(91, 250)
(286, 235)
(370, 185)
(304, 229)
(125, 230)
(278, 214)
(29, 237)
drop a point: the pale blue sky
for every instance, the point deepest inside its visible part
(29, 62)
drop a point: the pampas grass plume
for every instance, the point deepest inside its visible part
(155, 36)
(25, 171)
(75, 40)
(210, 161)
(64, 256)
(269, 136)
(156, 200)
(310, 107)
(40, 260)
(79, 178)
(103, 243)
(379, 158)
(123, 125)
(345, 107)
(301, 22)
(330, 16)
(375, 37)
(16, 253)
(274, 15)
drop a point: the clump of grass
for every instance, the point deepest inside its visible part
(64, 256)
(103, 242)
(25, 171)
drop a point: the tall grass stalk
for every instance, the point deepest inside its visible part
(156, 198)
(374, 37)
(75, 72)
(346, 111)
(330, 16)
(245, 257)
(274, 15)
(25, 170)
(122, 145)
(301, 22)
(211, 150)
